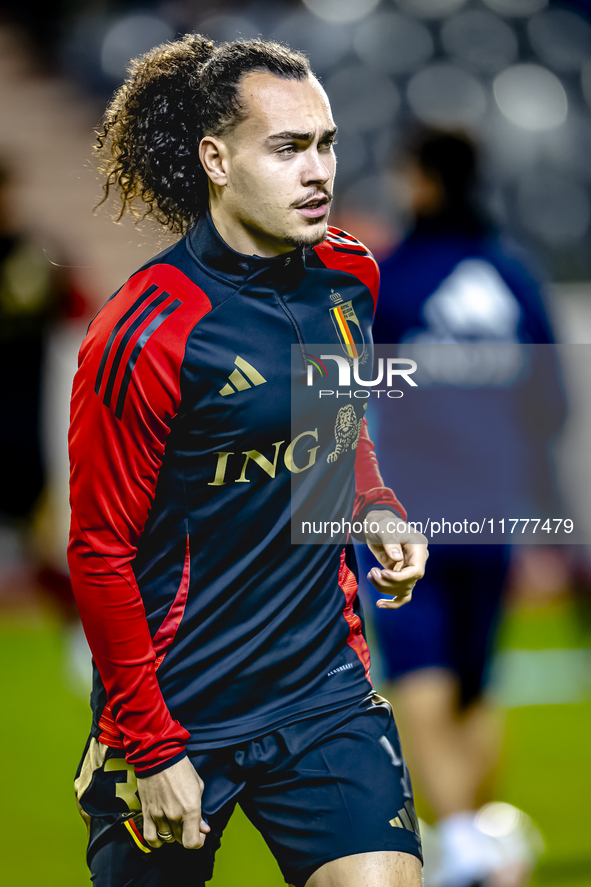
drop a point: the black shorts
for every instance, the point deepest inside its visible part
(320, 789)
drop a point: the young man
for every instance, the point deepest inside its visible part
(221, 649)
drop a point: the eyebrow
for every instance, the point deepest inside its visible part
(292, 136)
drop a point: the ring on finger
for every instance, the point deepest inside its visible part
(167, 836)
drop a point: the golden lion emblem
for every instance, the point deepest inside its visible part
(346, 432)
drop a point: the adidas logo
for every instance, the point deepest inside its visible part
(407, 818)
(239, 381)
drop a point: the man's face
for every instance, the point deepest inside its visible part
(281, 164)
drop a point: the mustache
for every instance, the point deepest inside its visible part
(316, 194)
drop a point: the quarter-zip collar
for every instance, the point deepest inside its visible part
(207, 247)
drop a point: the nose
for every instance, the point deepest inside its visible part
(316, 170)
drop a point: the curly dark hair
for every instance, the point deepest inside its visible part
(172, 97)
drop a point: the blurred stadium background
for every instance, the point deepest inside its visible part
(517, 75)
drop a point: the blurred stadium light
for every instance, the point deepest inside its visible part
(131, 36)
(326, 43)
(341, 10)
(561, 38)
(431, 8)
(361, 98)
(480, 39)
(586, 80)
(228, 27)
(393, 43)
(554, 207)
(516, 7)
(531, 97)
(447, 95)
(522, 85)
(515, 73)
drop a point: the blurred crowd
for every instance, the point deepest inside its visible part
(515, 72)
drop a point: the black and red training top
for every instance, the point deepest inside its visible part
(207, 626)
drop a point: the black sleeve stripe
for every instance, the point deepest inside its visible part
(352, 252)
(125, 340)
(338, 235)
(99, 376)
(159, 319)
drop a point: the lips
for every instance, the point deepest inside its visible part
(313, 208)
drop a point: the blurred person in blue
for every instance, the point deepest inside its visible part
(455, 279)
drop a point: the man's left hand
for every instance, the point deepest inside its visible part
(401, 551)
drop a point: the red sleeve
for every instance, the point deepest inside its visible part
(126, 393)
(343, 252)
(370, 491)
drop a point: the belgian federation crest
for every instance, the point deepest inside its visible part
(348, 328)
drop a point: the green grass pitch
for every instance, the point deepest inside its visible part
(43, 727)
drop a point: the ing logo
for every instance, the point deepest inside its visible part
(240, 381)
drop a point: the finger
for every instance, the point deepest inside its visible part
(174, 827)
(394, 603)
(151, 832)
(401, 594)
(382, 553)
(396, 579)
(168, 831)
(416, 553)
(194, 833)
(380, 574)
(384, 579)
(394, 551)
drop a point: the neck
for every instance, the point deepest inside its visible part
(240, 237)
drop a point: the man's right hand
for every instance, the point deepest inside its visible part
(171, 805)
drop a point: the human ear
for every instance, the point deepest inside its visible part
(214, 156)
